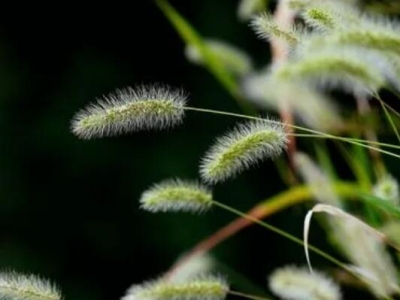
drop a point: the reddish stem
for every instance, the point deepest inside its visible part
(284, 18)
(222, 234)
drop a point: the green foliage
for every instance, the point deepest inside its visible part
(340, 48)
(317, 47)
(192, 38)
(381, 204)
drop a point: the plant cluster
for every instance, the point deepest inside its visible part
(318, 47)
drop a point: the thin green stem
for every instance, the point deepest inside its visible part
(282, 233)
(393, 91)
(318, 136)
(239, 294)
(392, 109)
(384, 108)
(322, 134)
(218, 112)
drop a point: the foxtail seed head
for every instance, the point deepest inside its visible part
(203, 287)
(319, 19)
(292, 283)
(176, 195)
(17, 286)
(363, 245)
(187, 269)
(266, 28)
(328, 15)
(357, 71)
(302, 100)
(130, 109)
(246, 145)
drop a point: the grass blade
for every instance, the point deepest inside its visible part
(381, 204)
(191, 37)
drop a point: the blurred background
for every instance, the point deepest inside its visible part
(69, 207)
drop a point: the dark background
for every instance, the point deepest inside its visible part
(68, 207)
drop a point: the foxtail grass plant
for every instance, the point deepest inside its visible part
(320, 49)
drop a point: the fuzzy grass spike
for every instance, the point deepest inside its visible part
(248, 144)
(176, 195)
(293, 283)
(206, 287)
(130, 109)
(15, 286)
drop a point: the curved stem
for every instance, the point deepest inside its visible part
(295, 195)
(281, 233)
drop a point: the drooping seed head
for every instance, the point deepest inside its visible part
(363, 245)
(358, 71)
(293, 283)
(368, 253)
(17, 286)
(205, 287)
(357, 30)
(130, 109)
(303, 100)
(345, 6)
(375, 33)
(177, 195)
(248, 144)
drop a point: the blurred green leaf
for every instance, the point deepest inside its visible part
(191, 37)
(381, 204)
(384, 6)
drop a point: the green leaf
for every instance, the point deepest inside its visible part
(381, 204)
(356, 160)
(191, 37)
(325, 160)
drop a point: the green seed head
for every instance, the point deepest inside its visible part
(176, 195)
(202, 287)
(246, 145)
(292, 283)
(26, 287)
(143, 108)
